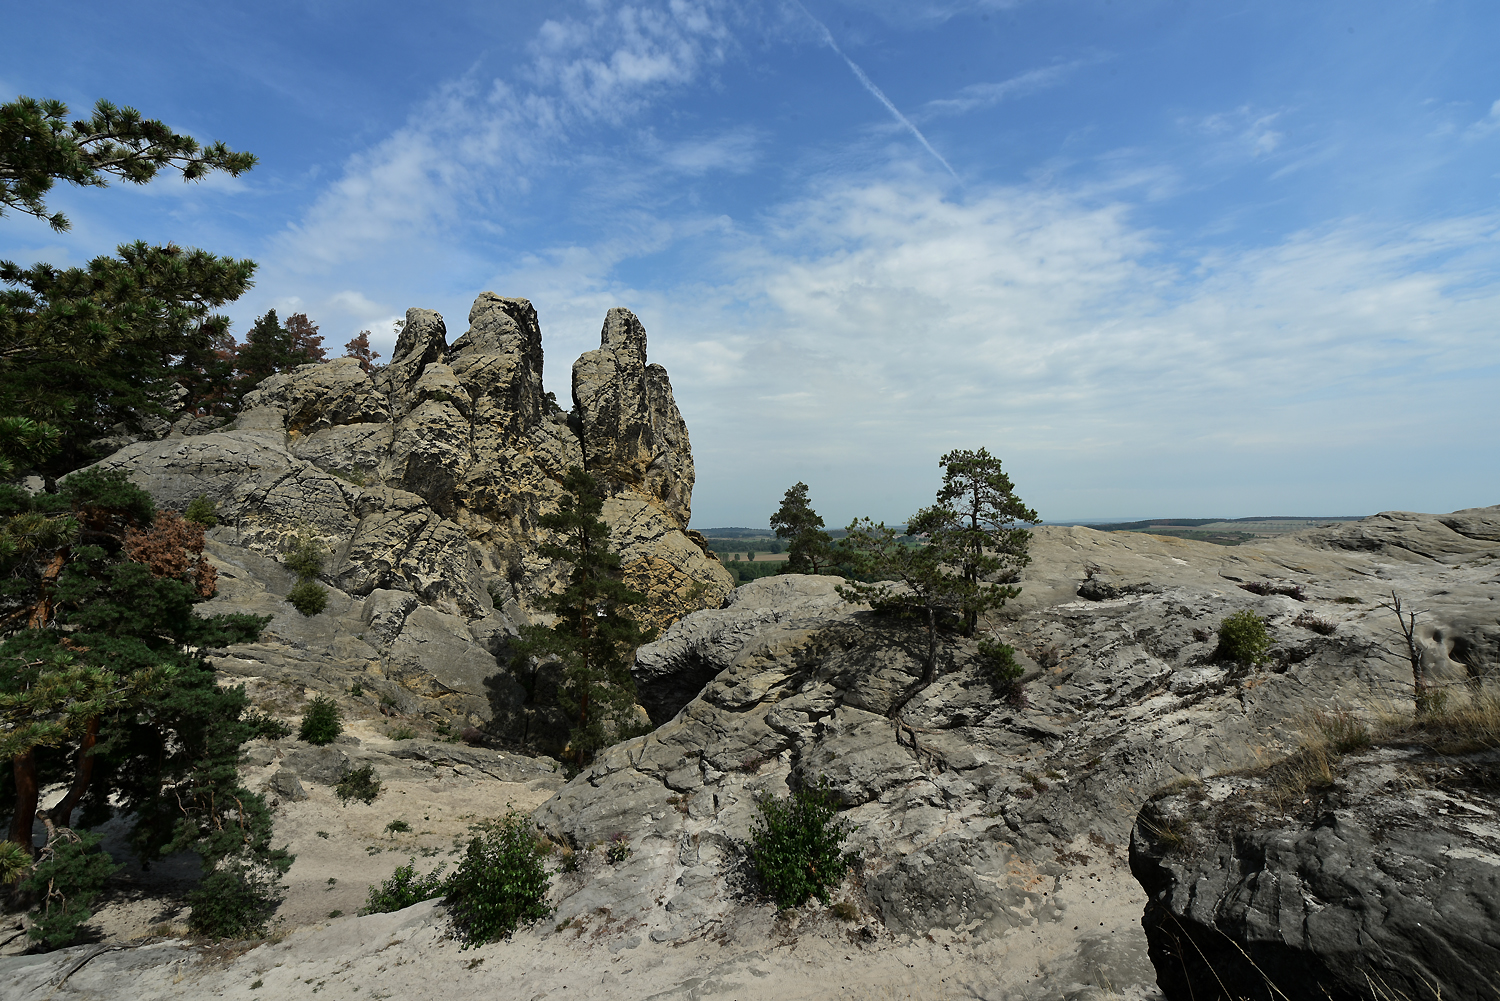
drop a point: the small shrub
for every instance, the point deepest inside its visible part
(306, 561)
(845, 911)
(794, 846)
(1343, 730)
(308, 597)
(266, 726)
(68, 875)
(1321, 626)
(358, 783)
(403, 733)
(1349, 599)
(321, 723)
(201, 511)
(404, 888)
(396, 827)
(335, 914)
(500, 884)
(236, 900)
(356, 690)
(619, 848)
(998, 663)
(1243, 639)
(1262, 587)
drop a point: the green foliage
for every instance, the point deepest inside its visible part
(272, 347)
(396, 827)
(201, 511)
(15, 861)
(972, 531)
(39, 146)
(236, 900)
(308, 597)
(810, 549)
(794, 846)
(358, 783)
(86, 348)
(500, 884)
(1243, 639)
(306, 560)
(404, 888)
(952, 559)
(594, 639)
(322, 722)
(68, 875)
(619, 848)
(264, 725)
(998, 662)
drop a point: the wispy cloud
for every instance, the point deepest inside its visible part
(876, 92)
(1486, 125)
(984, 95)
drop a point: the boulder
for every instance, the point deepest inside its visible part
(1381, 880)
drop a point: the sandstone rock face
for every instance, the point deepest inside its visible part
(975, 814)
(424, 481)
(1382, 883)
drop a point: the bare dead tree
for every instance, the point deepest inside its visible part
(1407, 618)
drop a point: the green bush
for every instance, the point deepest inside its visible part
(795, 844)
(1243, 639)
(64, 883)
(500, 884)
(321, 723)
(998, 662)
(306, 561)
(358, 783)
(308, 597)
(201, 510)
(404, 888)
(236, 900)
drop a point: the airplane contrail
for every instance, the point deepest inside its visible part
(876, 91)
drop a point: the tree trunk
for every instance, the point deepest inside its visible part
(61, 815)
(932, 645)
(24, 766)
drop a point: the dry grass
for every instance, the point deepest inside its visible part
(1452, 723)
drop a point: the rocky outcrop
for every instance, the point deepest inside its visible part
(1381, 880)
(424, 483)
(972, 811)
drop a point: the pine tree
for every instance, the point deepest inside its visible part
(973, 528)
(811, 549)
(359, 349)
(39, 146)
(304, 346)
(83, 349)
(594, 638)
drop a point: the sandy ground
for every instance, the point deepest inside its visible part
(411, 955)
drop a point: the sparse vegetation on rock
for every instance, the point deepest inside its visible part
(322, 722)
(500, 884)
(796, 846)
(1243, 639)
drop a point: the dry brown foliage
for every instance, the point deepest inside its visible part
(173, 547)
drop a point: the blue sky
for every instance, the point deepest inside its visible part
(1164, 257)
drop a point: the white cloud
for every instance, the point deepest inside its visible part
(735, 151)
(1489, 123)
(984, 95)
(473, 144)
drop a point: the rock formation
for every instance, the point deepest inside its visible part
(992, 833)
(424, 481)
(1381, 880)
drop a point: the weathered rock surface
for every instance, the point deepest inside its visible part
(424, 482)
(971, 810)
(1384, 883)
(990, 832)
